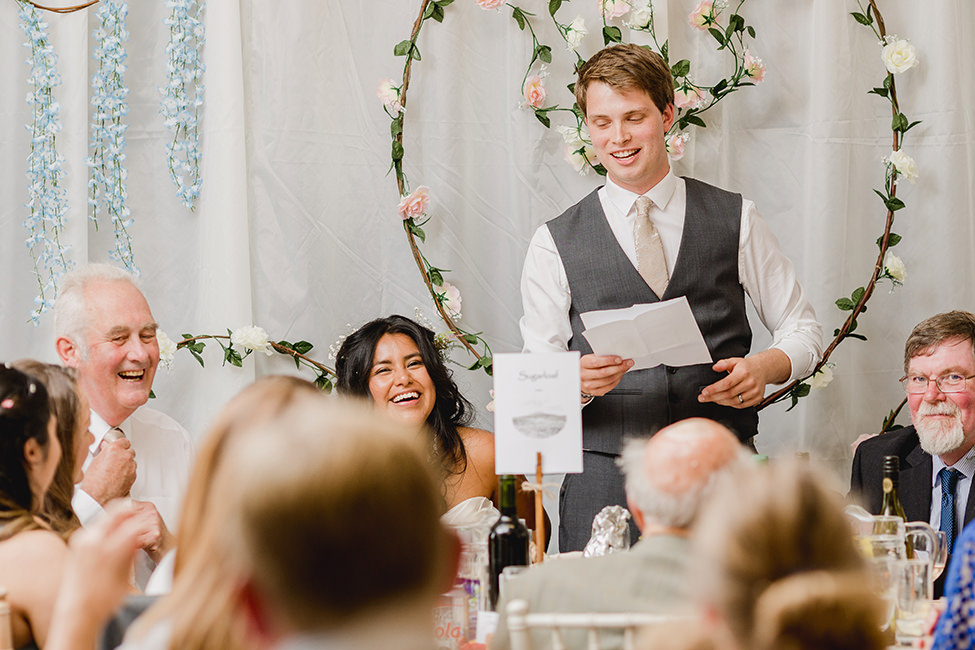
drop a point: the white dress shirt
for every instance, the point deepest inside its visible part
(966, 466)
(163, 456)
(766, 274)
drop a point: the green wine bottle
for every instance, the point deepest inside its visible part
(508, 540)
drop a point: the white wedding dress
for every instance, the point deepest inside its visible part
(472, 513)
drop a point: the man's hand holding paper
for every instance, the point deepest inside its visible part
(600, 374)
(650, 334)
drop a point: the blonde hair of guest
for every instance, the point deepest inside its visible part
(200, 607)
(768, 523)
(819, 609)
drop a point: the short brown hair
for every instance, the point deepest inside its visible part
(344, 520)
(934, 331)
(625, 67)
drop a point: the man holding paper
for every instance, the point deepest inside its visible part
(648, 236)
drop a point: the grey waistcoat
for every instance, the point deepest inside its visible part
(601, 276)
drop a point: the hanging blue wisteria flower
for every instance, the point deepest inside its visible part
(46, 194)
(109, 100)
(183, 96)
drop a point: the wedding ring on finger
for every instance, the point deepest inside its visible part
(740, 399)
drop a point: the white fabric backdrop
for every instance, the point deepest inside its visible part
(297, 230)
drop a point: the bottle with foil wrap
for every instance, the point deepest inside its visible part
(610, 532)
(508, 540)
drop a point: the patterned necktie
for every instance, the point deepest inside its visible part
(949, 478)
(650, 260)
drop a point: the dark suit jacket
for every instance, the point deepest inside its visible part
(866, 483)
(914, 489)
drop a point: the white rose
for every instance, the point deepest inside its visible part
(575, 33)
(640, 16)
(252, 338)
(570, 135)
(822, 378)
(167, 349)
(451, 300)
(579, 160)
(895, 268)
(904, 165)
(898, 55)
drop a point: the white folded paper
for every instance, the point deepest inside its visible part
(651, 334)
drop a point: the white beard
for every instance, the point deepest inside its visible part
(939, 436)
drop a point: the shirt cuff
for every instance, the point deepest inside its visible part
(800, 359)
(85, 506)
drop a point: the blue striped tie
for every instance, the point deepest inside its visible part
(949, 478)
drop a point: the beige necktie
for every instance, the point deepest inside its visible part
(650, 258)
(111, 435)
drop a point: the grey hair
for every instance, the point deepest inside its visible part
(676, 510)
(70, 318)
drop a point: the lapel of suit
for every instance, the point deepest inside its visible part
(915, 486)
(970, 506)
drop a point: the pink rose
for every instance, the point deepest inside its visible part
(451, 300)
(535, 91)
(689, 97)
(754, 68)
(614, 8)
(414, 205)
(489, 4)
(675, 145)
(703, 16)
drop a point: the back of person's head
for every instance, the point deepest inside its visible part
(337, 513)
(818, 610)
(625, 67)
(769, 523)
(199, 609)
(71, 411)
(71, 319)
(25, 413)
(670, 476)
(932, 332)
(260, 402)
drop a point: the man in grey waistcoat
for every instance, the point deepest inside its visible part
(648, 235)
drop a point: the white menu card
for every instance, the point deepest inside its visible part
(536, 409)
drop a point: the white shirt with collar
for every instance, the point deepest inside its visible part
(163, 454)
(766, 274)
(966, 466)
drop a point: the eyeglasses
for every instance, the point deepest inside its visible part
(950, 383)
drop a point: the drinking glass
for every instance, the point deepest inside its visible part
(884, 584)
(922, 547)
(913, 587)
(941, 555)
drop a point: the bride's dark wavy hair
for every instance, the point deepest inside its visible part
(353, 364)
(24, 414)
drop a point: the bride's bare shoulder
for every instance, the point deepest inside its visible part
(479, 445)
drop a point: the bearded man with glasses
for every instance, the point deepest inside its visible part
(937, 459)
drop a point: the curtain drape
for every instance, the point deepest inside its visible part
(297, 231)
